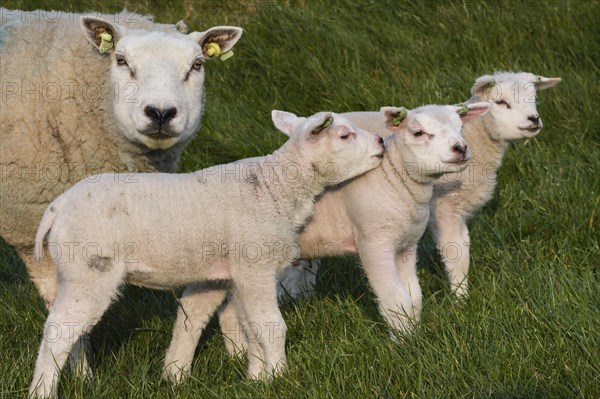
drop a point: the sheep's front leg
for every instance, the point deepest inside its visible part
(452, 238)
(231, 327)
(197, 305)
(395, 303)
(406, 264)
(262, 323)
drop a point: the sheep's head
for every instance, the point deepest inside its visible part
(335, 148)
(514, 114)
(429, 138)
(157, 77)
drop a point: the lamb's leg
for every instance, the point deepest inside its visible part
(231, 327)
(406, 264)
(452, 237)
(197, 305)
(77, 308)
(43, 275)
(256, 303)
(395, 303)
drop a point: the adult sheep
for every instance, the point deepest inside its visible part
(130, 102)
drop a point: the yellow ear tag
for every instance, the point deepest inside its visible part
(227, 55)
(213, 50)
(106, 42)
(397, 120)
(463, 111)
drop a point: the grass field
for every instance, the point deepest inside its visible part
(531, 326)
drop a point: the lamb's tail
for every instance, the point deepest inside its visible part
(45, 226)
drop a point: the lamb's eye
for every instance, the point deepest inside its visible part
(418, 133)
(502, 102)
(345, 136)
(120, 59)
(197, 64)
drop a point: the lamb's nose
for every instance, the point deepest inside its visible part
(160, 116)
(380, 140)
(534, 118)
(461, 149)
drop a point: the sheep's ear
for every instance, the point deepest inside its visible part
(546, 83)
(473, 110)
(217, 40)
(316, 126)
(395, 117)
(482, 84)
(284, 121)
(101, 33)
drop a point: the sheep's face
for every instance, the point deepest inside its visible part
(429, 138)
(514, 114)
(335, 148)
(158, 78)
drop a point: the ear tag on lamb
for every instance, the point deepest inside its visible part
(489, 85)
(463, 111)
(400, 115)
(106, 42)
(328, 122)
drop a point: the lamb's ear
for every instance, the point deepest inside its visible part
(217, 40)
(482, 84)
(546, 83)
(284, 121)
(101, 33)
(395, 117)
(473, 110)
(317, 125)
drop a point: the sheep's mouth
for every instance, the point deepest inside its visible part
(532, 130)
(458, 162)
(160, 134)
(380, 155)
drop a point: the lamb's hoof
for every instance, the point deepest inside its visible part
(175, 375)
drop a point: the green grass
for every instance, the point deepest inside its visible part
(531, 326)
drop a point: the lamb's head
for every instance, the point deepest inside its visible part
(158, 77)
(514, 114)
(428, 139)
(335, 149)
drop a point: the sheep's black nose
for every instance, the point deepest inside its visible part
(534, 118)
(380, 140)
(160, 116)
(461, 149)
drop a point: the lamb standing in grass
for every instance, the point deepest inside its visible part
(235, 224)
(70, 110)
(457, 197)
(380, 215)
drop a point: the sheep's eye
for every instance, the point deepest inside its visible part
(197, 64)
(502, 102)
(418, 133)
(345, 136)
(120, 59)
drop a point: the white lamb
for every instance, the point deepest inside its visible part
(70, 111)
(380, 215)
(231, 227)
(457, 197)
